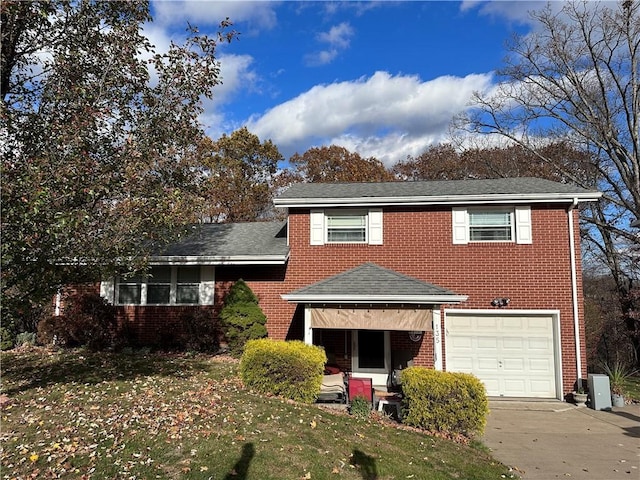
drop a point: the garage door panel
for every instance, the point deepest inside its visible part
(487, 342)
(543, 345)
(537, 323)
(462, 364)
(513, 387)
(485, 323)
(513, 324)
(462, 342)
(492, 386)
(541, 366)
(516, 365)
(487, 365)
(542, 388)
(461, 323)
(513, 355)
(515, 343)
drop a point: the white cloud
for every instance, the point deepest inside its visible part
(207, 12)
(236, 74)
(518, 11)
(322, 57)
(337, 38)
(383, 115)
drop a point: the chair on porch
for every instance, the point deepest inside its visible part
(333, 389)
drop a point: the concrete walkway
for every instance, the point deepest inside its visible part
(546, 440)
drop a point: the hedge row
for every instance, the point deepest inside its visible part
(290, 369)
(444, 401)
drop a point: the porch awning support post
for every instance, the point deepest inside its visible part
(308, 331)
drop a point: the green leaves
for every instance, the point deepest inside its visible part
(97, 156)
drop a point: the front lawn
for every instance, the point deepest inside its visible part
(77, 414)
(631, 388)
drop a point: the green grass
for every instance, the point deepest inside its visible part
(631, 388)
(76, 414)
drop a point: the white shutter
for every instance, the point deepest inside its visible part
(108, 290)
(460, 226)
(317, 227)
(207, 285)
(375, 226)
(523, 225)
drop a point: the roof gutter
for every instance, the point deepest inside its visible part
(376, 299)
(436, 200)
(219, 260)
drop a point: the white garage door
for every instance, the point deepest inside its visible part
(513, 355)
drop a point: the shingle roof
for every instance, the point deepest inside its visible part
(225, 243)
(426, 191)
(372, 283)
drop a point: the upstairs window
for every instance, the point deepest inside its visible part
(491, 224)
(346, 226)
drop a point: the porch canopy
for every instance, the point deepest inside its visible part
(369, 297)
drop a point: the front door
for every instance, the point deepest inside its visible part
(371, 355)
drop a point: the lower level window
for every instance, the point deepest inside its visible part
(163, 285)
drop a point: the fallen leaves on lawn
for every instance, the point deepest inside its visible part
(76, 425)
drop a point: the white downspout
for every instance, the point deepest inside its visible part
(574, 290)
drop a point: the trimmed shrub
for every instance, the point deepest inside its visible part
(51, 331)
(6, 339)
(444, 401)
(89, 320)
(290, 369)
(242, 318)
(201, 331)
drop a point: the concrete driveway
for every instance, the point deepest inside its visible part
(546, 440)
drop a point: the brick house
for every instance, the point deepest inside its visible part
(481, 276)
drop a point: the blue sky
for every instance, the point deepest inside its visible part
(380, 78)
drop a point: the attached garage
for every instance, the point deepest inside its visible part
(515, 354)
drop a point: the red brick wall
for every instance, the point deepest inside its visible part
(418, 242)
(145, 325)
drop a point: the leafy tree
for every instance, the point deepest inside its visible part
(445, 162)
(337, 164)
(238, 171)
(576, 78)
(242, 318)
(95, 136)
(607, 338)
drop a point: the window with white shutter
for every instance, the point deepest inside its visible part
(491, 224)
(346, 226)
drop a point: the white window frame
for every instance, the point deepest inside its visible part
(328, 214)
(319, 226)
(206, 293)
(510, 227)
(520, 223)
